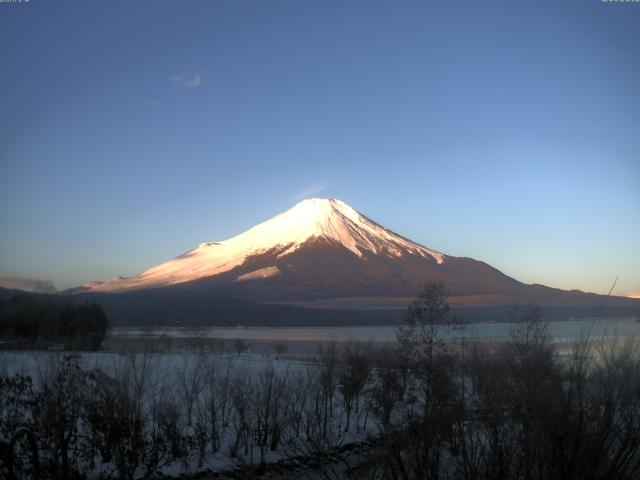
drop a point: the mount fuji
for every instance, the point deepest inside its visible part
(323, 254)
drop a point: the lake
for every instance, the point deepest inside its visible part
(561, 331)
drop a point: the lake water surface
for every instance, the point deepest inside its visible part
(596, 329)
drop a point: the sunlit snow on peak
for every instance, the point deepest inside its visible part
(311, 219)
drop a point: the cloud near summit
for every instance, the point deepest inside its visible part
(312, 190)
(188, 80)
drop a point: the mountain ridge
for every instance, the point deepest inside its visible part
(311, 219)
(322, 254)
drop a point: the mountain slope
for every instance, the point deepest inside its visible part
(322, 253)
(310, 222)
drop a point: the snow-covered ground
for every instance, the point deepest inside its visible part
(210, 392)
(274, 390)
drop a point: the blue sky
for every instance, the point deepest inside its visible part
(504, 131)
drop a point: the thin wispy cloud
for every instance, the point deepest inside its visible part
(152, 103)
(187, 80)
(313, 190)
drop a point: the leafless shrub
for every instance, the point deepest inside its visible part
(240, 346)
(353, 378)
(280, 349)
(270, 409)
(191, 383)
(241, 394)
(57, 411)
(16, 399)
(217, 398)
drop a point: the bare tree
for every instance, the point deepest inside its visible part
(190, 383)
(217, 398)
(353, 378)
(16, 398)
(241, 398)
(421, 336)
(279, 348)
(240, 345)
(328, 379)
(417, 438)
(271, 407)
(300, 397)
(58, 409)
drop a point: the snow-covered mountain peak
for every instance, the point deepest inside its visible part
(315, 213)
(314, 219)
